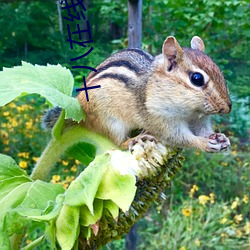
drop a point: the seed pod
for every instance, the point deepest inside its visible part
(156, 166)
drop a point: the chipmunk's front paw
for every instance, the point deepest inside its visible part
(218, 142)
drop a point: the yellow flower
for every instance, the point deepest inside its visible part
(77, 162)
(211, 195)
(23, 164)
(4, 134)
(65, 185)
(223, 235)
(193, 190)
(247, 227)
(73, 168)
(14, 123)
(29, 124)
(6, 113)
(223, 221)
(203, 199)
(197, 152)
(238, 233)
(35, 159)
(55, 178)
(24, 154)
(187, 211)
(182, 248)
(65, 163)
(197, 242)
(235, 203)
(12, 105)
(6, 141)
(234, 152)
(238, 218)
(224, 164)
(245, 199)
(70, 178)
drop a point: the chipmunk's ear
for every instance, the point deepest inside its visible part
(197, 43)
(172, 50)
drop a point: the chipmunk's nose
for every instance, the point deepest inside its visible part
(227, 108)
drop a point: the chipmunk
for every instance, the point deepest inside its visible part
(170, 96)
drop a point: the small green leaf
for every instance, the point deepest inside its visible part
(57, 129)
(112, 208)
(83, 152)
(86, 232)
(83, 189)
(53, 82)
(67, 226)
(86, 218)
(50, 234)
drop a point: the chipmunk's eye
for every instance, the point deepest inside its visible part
(197, 79)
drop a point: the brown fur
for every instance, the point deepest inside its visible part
(155, 94)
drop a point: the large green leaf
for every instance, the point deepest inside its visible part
(118, 188)
(82, 191)
(53, 82)
(20, 197)
(67, 226)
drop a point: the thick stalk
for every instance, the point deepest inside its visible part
(57, 147)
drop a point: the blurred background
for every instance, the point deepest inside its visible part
(207, 206)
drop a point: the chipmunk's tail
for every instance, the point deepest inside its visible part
(50, 118)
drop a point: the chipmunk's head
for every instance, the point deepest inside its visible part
(198, 78)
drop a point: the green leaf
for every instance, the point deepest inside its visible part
(86, 218)
(58, 127)
(50, 234)
(118, 188)
(83, 152)
(9, 168)
(53, 82)
(67, 226)
(112, 208)
(6, 186)
(83, 189)
(14, 198)
(39, 194)
(20, 197)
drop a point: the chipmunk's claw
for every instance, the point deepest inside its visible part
(218, 142)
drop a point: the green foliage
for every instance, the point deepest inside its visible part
(19, 198)
(223, 25)
(53, 82)
(201, 223)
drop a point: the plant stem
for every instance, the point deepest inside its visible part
(57, 147)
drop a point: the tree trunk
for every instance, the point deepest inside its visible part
(135, 23)
(131, 238)
(59, 16)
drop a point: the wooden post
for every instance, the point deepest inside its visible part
(134, 23)
(131, 238)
